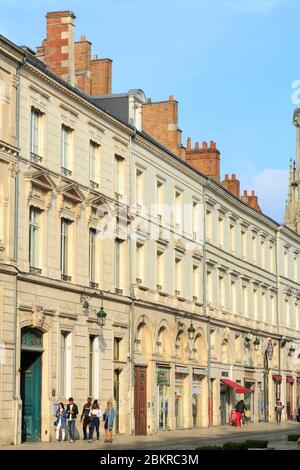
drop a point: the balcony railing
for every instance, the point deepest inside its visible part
(35, 271)
(119, 197)
(159, 287)
(94, 285)
(65, 277)
(94, 185)
(177, 293)
(35, 158)
(66, 172)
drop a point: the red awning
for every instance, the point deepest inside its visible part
(238, 387)
(298, 380)
(290, 380)
(277, 378)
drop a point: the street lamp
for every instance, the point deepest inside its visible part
(101, 317)
(191, 331)
(101, 314)
(292, 349)
(256, 343)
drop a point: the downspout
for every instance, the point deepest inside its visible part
(205, 310)
(131, 320)
(16, 395)
(278, 308)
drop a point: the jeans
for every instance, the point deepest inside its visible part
(95, 423)
(278, 416)
(86, 423)
(71, 429)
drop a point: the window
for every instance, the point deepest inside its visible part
(94, 164)
(243, 243)
(209, 281)
(178, 276)
(221, 291)
(65, 364)
(232, 237)
(36, 135)
(221, 231)
(286, 262)
(65, 246)
(208, 225)
(119, 184)
(196, 282)
(92, 255)
(139, 263)
(256, 303)
(66, 150)
(262, 253)
(34, 238)
(264, 307)
(287, 311)
(234, 305)
(117, 349)
(195, 221)
(178, 212)
(273, 309)
(119, 264)
(139, 188)
(93, 366)
(295, 267)
(271, 257)
(245, 300)
(254, 249)
(159, 196)
(160, 274)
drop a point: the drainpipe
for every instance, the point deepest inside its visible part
(278, 306)
(131, 320)
(205, 309)
(16, 394)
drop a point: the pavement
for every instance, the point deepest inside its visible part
(276, 434)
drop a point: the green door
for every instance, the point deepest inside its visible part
(31, 395)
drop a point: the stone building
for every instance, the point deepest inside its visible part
(102, 209)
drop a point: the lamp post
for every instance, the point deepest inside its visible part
(256, 344)
(101, 314)
(191, 331)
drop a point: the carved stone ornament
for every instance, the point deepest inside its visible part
(13, 169)
(37, 317)
(2, 250)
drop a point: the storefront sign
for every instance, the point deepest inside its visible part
(163, 376)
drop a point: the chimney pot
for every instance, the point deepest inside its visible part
(82, 38)
(204, 145)
(95, 57)
(252, 193)
(226, 177)
(233, 177)
(197, 145)
(171, 98)
(245, 193)
(188, 143)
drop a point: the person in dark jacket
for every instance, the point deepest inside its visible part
(72, 412)
(85, 417)
(240, 409)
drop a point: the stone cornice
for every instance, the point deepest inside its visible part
(8, 149)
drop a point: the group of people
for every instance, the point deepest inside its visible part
(91, 418)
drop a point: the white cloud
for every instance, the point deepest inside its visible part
(271, 187)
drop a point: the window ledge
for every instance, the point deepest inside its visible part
(142, 287)
(163, 294)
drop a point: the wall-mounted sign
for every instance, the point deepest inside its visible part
(270, 350)
(163, 376)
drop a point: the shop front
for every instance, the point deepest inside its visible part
(163, 387)
(298, 392)
(181, 375)
(250, 385)
(197, 396)
(277, 379)
(289, 397)
(230, 393)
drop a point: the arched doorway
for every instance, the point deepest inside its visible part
(31, 383)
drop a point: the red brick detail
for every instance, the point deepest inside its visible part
(83, 65)
(251, 201)
(160, 120)
(232, 185)
(205, 159)
(101, 76)
(57, 49)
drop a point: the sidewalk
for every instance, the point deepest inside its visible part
(180, 439)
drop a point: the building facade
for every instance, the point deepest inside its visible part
(102, 211)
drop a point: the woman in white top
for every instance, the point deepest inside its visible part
(95, 415)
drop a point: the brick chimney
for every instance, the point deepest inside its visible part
(160, 120)
(253, 202)
(58, 48)
(72, 60)
(205, 159)
(101, 76)
(83, 65)
(232, 185)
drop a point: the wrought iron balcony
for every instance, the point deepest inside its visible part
(65, 277)
(66, 172)
(36, 271)
(35, 158)
(94, 185)
(94, 285)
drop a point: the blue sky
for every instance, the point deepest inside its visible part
(229, 63)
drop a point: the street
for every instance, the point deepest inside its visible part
(181, 440)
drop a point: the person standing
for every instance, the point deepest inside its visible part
(72, 412)
(85, 416)
(95, 415)
(109, 418)
(61, 422)
(278, 410)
